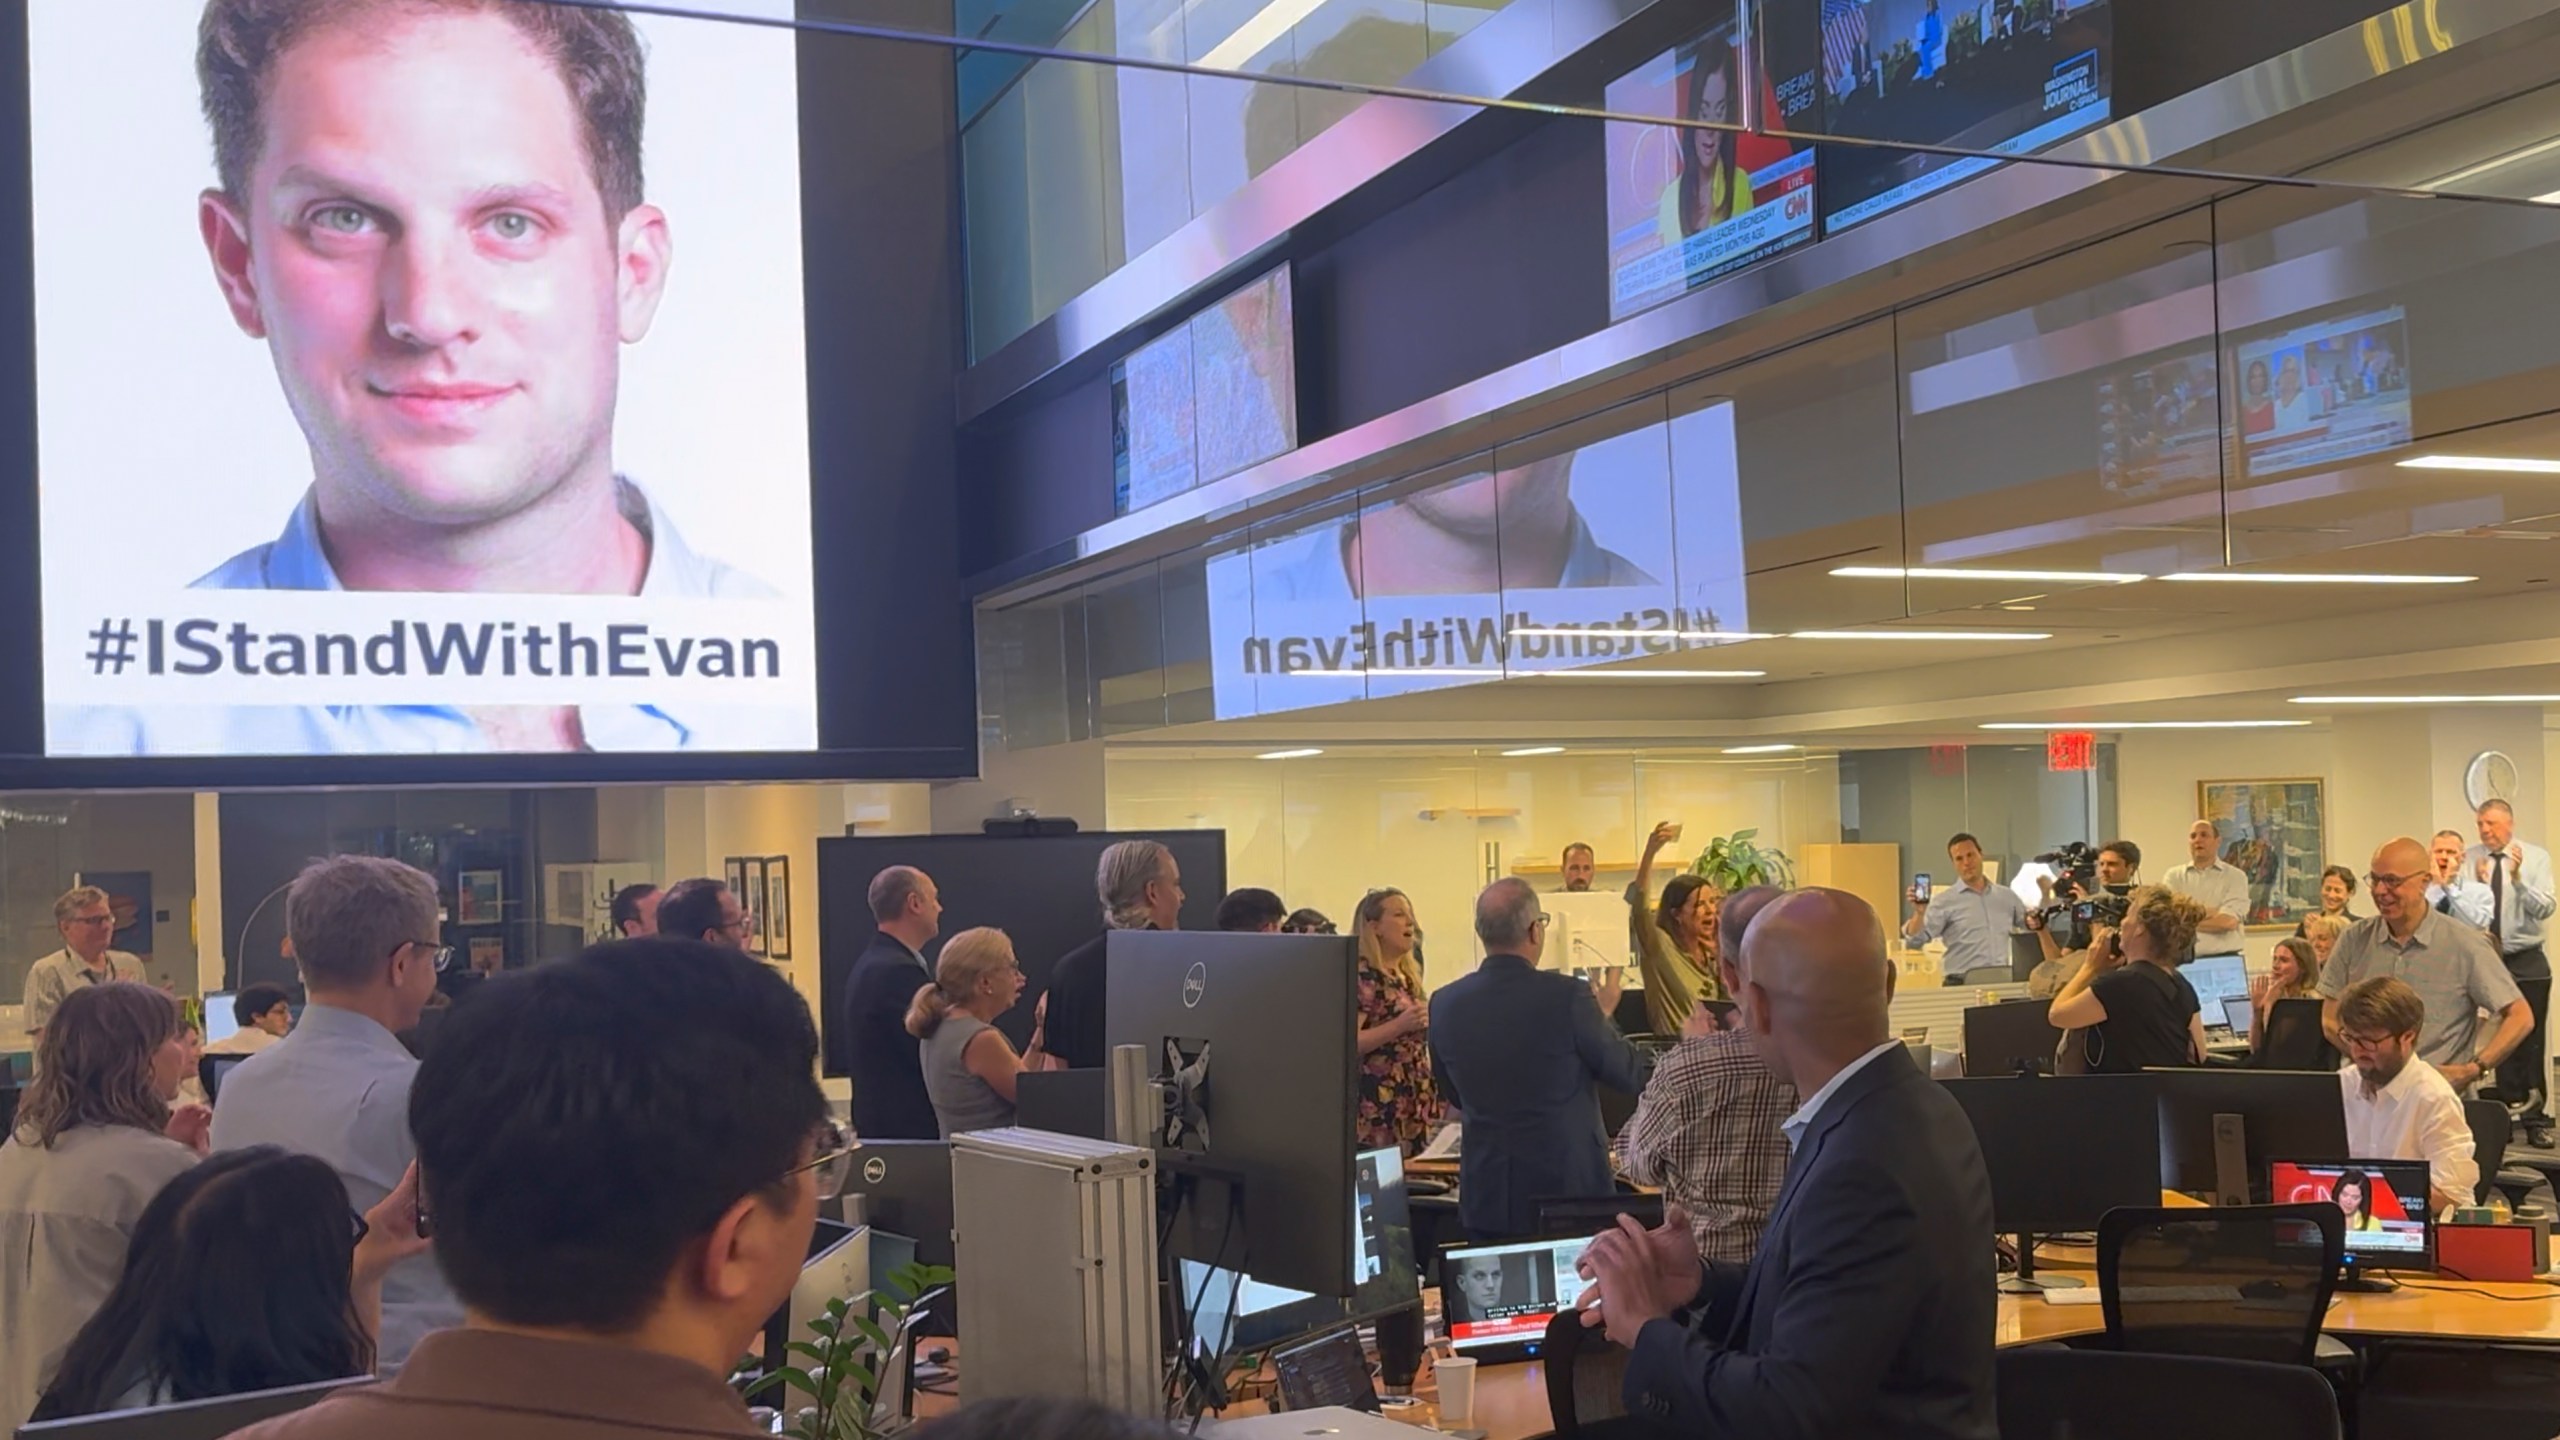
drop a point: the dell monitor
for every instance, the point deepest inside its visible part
(904, 1187)
(1249, 1038)
(2061, 1151)
(2219, 1127)
(2010, 1037)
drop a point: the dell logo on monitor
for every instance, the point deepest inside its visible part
(1195, 983)
(875, 1170)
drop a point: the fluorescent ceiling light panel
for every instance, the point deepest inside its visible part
(1289, 755)
(1646, 674)
(1271, 22)
(1610, 632)
(1759, 749)
(2145, 724)
(2058, 577)
(2492, 464)
(2266, 577)
(1919, 635)
(2426, 699)
(1353, 674)
(1526, 751)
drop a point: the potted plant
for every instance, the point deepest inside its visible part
(840, 1370)
(1732, 862)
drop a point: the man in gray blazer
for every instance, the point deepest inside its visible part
(1517, 1050)
(1870, 1308)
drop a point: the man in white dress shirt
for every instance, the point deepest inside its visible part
(2451, 888)
(2220, 888)
(2397, 1110)
(2521, 900)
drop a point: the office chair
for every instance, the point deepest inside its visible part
(2052, 1393)
(2491, 1130)
(1586, 1385)
(2294, 1039)
(2248, 1282)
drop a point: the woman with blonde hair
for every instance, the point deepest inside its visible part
(969, 1067)
(2131, 1007)
(1399, 1101)
(2322, 931)
(96, 1141)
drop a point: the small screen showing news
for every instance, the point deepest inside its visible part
(1688, 205)
(2323, 392)
(2002, 77)
(1506, 1294)
(2385, 1201)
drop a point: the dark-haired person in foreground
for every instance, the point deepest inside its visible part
(616, 1246)
(246, 1273)
(1869, 1310)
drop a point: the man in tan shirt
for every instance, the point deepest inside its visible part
(603, 1295)
(87, 923)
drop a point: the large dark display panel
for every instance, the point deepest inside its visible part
(482, 446)
(1037, 889)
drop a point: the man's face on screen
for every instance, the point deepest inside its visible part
(428, 256)
(1480, 1280)
(1533, 501)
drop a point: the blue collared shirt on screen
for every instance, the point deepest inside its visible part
(297, 560)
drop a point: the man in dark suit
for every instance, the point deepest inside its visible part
(889, 1100)
(1517, 1050)
(1869, 1310)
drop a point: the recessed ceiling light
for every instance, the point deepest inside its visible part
(1646, 674)
(1922, 572)
(1611, 632)
(1528, 750)
(1759, 749)
(2426, 699)
(1919, 635)
(2493, 464)
(2145, 724)
(1289, 755)
(2269, 577)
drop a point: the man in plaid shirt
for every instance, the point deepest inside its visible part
(1706, 1129)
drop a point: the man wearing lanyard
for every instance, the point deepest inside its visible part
(1975, 917)
(87, 924)
(2521, 901)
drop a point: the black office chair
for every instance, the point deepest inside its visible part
(2052, 1393)
(211, 1070)
(2294, 1039)
(2248, 1282)
(2491, 1131)
(1586, 1385)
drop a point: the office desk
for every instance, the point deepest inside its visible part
(2421, 1309)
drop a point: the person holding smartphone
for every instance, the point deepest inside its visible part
(1975, 917)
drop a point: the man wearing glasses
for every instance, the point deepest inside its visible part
(365, 932)
(707, 910)
(2449, 964)
(87, 924)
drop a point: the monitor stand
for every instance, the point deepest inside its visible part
(2026, 1282)
(2352, 1279)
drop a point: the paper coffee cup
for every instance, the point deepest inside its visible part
(1457, 1393)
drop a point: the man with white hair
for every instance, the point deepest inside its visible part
(87, 923)
(366, 935)
(1517, 1051)
(1140, 888)
(2522, 899)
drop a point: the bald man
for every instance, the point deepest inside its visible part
(2452, 966)
(889, 1099)
(1869, 1309)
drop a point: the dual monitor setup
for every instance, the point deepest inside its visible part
(2062, 1151)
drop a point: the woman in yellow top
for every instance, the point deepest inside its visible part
(2354, 1194)
(1712, 188)
(1675, 939)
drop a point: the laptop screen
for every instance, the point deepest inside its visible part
(2216, 978)
(2385, 1202)
(2238, 1012)
(1496, 1295)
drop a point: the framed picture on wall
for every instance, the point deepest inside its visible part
(733, 873)
(777, 907)
(480, 896)
(756, 901)
(2275, 832)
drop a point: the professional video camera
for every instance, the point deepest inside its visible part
(2080, 902)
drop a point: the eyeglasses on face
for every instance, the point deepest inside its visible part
(442, 955)
(2391, 882)
(833, 1160)
(92, 920)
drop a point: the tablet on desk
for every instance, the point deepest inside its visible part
(1497, 1299)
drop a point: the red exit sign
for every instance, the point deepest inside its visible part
(2071, 750)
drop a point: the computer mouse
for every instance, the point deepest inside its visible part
(939, 1355)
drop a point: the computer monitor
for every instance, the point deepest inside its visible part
(1230, 1312)
(1250, 1037)
(191, 1419)
(1064, 1102)
(2061, 1151)
(2220, 1125)
(2009, 1037)
(2390, 1222)
(904, 1187)
(2239, 1014)
(212, 1070)
(2216, 978)
(1497, 1299)
(219, 1023)
(1586, 930)
(2026, 952)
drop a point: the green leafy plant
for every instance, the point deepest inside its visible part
(1732, 862)
(839, 1372)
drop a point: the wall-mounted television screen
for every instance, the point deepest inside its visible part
(1214, 395)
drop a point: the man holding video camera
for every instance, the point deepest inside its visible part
(2088, 894)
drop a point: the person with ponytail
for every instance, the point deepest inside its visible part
(969, 1067)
